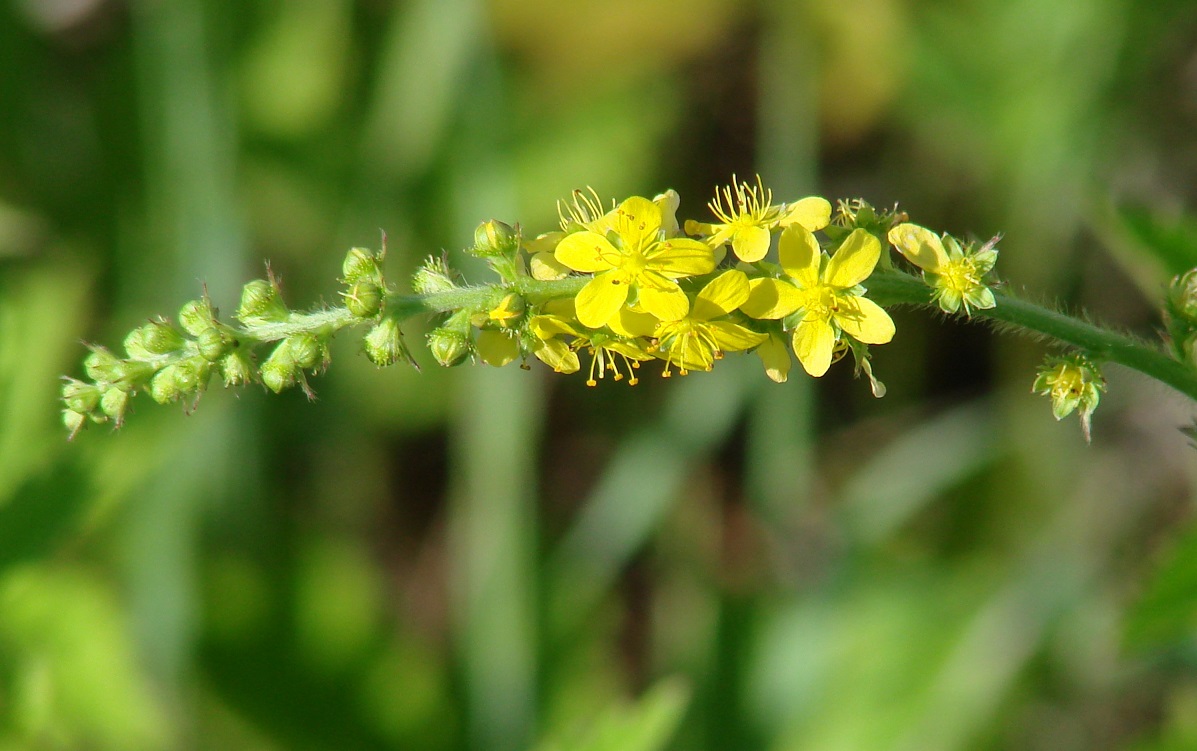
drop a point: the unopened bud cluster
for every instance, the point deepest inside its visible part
(272, 345)
(617, 286)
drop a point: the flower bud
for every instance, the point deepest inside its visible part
(508, 312)
(384, 344)
(448, 346)
(260, 301)
(364, 299)
(1182, 296)
(360, 265)
(213, 343)
(191, 375)
(495, 238)
(80, 397)
(160, 338)
(306, 350)
(102, 366)
(279, 371)
(114, 402)
(196, 317)
(74, 422)
(432, 277)
(236, 368)
(163, 387)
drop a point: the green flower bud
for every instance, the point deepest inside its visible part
(1182, 296)
(191, 375)
(306, 350)
(236, 368)
(213, 343)
(114, 402)
(164, 389)
(159, 338)
(135, 345)
(74, 422)
(260, 301)
(279, 371)
(384, 344)
(102, 366)
(360, 265)
(364, 299)
(495, 238)
(196, 317)
(80, 397)
(432, 277)
(449, 347)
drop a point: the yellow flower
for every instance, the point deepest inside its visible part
(696, 341)
(608, 349)
(954, 274)
(640, 260)
(827, 294)
(747, 218)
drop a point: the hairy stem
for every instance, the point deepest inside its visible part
(896, 288)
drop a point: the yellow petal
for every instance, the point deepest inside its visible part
(544, 243)
(549, 326)
(813, 342)
(750, 243)
(771, 298)
(601, 299)
(732, 337)
(854, 260)
(587, 252)
(665, 300)
(545, 267)
(722, 295)
(558, 356)
(813, 213)
(681, 257)
(776, 359)
(630, 323)
(637, 222)
(921, 246)
(800, 255)
(496, 348)
(864, 320)
(699, 228)
(668, 202)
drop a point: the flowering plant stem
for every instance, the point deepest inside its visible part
(897, 288)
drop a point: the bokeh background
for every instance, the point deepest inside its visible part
(499, 560)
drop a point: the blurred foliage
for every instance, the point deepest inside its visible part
(503, 560)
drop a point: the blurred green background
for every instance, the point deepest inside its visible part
(499, 560)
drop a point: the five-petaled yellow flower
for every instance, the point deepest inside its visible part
(695, 341)
(637, 258)
(827, 293)
(954, 274)
(747, 217)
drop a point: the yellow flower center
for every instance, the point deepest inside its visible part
(820, 302)
(961, 275)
